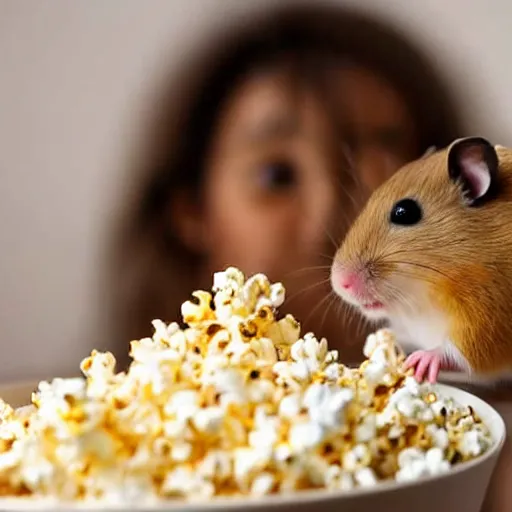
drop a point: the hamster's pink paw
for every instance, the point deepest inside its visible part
(425, 363)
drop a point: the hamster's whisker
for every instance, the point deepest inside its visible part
(351, 166)
(350, 315)
(332, 300)
(361, 324)
(331, 238)
(421, 265)
(341, 310)
(309, 288)
(329, 257)
(337, 180)
(403, 300)
(385, 256)
(411, 251)
(357, 187)
(430, 278)
(312, 312)
(356, 204)
(306, 269)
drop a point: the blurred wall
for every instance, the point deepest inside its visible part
(75, 80)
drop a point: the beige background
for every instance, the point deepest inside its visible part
(75, 82)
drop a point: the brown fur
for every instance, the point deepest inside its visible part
(470, 249)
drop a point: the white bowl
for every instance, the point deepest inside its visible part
(463, 488)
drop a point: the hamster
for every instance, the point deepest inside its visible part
(431, 254)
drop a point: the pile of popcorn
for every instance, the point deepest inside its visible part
(236, 403)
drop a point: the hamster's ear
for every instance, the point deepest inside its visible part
(473, 162)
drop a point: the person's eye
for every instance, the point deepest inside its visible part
(278, 175)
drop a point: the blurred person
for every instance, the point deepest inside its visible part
(262, 156)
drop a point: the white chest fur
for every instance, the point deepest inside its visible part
(427, 332)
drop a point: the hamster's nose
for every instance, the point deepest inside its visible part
(346, 280)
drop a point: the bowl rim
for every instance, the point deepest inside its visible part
(311, 496)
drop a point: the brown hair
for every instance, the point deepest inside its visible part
(151, 267)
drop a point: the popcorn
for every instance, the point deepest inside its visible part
(365, 477)
(208, 420)
(305, 435)
(216, 465)
(248, 461)
(356, 458)
(367, 429)
(290, 406)
(439, 436)
(326, 404)
(473, 443)
(415, 463)
(183, 481)
(337, 478)
(238, 402)
(263, 484)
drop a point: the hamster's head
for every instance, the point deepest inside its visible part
(415, 233)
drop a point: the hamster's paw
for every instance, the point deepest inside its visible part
(426, 363)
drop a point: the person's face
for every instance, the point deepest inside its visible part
(276, 190)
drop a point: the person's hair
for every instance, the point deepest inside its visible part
(150, 264)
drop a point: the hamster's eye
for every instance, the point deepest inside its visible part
(406, 212)
(277, 176)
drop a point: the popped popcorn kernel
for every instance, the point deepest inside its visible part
(237, 402)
